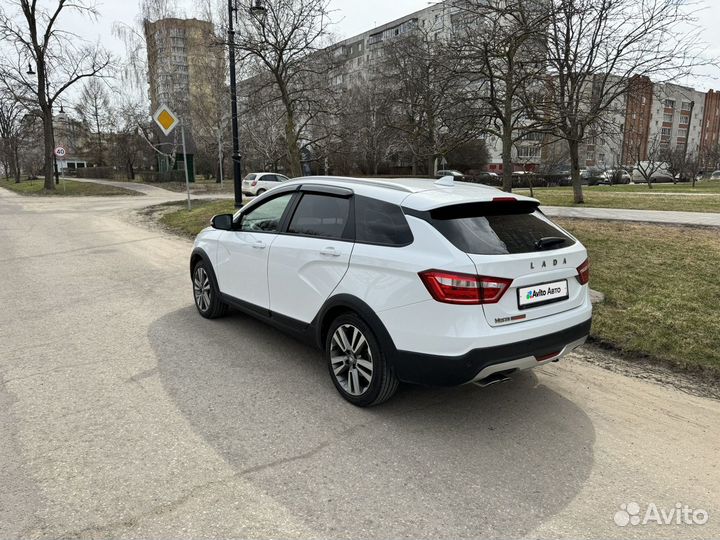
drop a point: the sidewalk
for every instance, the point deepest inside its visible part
(652, 216)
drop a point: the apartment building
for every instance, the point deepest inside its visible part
(357, 56)
(665, 114)
(710, 133)
(185, 63)
(360, 54)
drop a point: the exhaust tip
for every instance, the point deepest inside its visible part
(495, 378)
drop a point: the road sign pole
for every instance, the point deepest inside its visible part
(187, 173)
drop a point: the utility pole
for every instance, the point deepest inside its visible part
(236, 158)
(258, 11)
(689, 125)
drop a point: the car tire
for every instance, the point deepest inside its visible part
(260, 192)
(352, 358)
(206, 292)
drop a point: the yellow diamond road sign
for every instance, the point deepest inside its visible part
(165, 118)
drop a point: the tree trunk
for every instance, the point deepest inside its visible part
(49, 141)
(431, 166)
(507, 161)
(293, 152)
(16, 159)
(574, 147)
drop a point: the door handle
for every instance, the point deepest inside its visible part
(259, 245)
(330, 252)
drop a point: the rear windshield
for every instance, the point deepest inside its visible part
(251, 177)
(498, 228)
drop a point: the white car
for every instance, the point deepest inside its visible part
(441, 283)
(258, 183)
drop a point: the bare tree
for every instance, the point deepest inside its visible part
(363, 128)
(93, 107)
(32, 34)
(694, 166)
(11, 114)
(653, 162)
(502, 46)
(676, 160)
(596, 47)
(433, 109)
(285, 48)
(130, 149)
(710, 157)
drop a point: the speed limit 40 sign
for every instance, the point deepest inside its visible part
(60, 151)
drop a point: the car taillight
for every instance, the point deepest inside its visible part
(454, 288)
(254, 183)
(584, 272)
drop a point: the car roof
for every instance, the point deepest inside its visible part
(417, 193)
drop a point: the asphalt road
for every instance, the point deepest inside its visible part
(124, 414)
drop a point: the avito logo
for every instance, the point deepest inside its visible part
(536, 294)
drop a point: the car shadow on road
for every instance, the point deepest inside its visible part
(452, 462)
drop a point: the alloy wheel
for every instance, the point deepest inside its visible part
(351, 359)
(202, 289)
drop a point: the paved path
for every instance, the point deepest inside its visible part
(147, 189)
(153, 190)
(125, 414)
(652, 216)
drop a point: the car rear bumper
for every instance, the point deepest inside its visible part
(436, 370)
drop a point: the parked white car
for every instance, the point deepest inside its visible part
(441, 283)
(258, 183)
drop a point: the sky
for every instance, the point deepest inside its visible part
(356, 16)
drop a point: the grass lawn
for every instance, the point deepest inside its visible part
(70, 188)
(703, 198)
(661, 287)
(190, 223)
(660, 283)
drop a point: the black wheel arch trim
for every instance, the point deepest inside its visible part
(200, 253)
(352, 303)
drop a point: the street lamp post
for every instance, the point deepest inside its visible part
(31, 73)
(256, 9)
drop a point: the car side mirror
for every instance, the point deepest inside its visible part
(222, 222)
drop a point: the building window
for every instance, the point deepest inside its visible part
(685, 105)
(529, 152)
(684, 119)
(666, 132)
(533, 137)
(668, 118)
(670, 103)
(682, 132)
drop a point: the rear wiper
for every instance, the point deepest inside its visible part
(549, 241)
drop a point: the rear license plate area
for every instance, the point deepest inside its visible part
(542, 294)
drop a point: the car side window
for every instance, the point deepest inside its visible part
(379, 222)
(266, 217)
(269, 178)
(324, 216)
